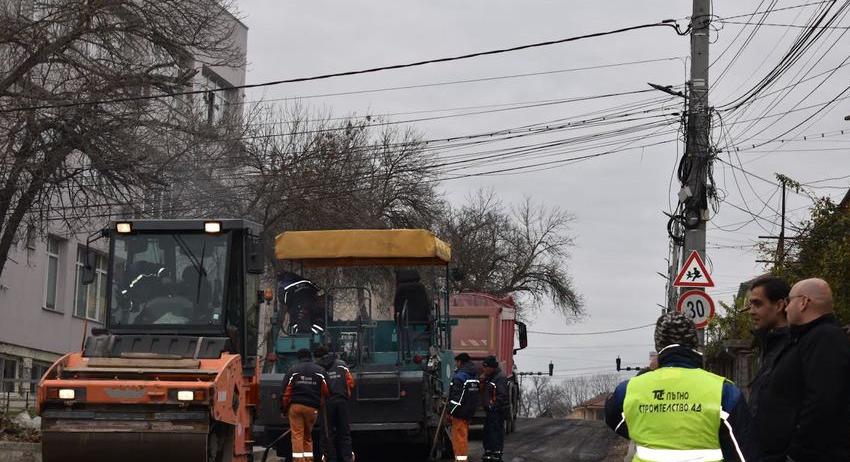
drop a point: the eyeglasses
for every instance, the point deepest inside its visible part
(792, 297)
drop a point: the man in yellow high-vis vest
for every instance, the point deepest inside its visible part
(680, 412)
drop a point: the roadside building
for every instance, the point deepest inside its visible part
(592, 409)
(45, 311)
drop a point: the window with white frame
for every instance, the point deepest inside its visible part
(216, 102)
(51, 276)
(90, 300)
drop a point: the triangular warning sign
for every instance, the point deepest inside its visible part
(693, 273)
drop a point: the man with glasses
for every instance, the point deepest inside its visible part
(808, 395)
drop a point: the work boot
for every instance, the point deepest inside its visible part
(492, 456)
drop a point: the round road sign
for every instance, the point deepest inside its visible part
(698, 306)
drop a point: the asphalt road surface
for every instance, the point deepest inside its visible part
(536, 440)
(558, 440)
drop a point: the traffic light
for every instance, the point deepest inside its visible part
(618, 364)
(551, 368)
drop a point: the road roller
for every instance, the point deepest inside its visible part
(173, 373)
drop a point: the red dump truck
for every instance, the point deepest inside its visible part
(487, 325)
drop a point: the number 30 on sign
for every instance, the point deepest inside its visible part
(698, 306)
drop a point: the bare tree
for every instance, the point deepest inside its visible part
(582, 388)
(75, 142)
(326, 173)
(520, 251)
(544, 397)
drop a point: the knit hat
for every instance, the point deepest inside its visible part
(490, 361)
(675, 328)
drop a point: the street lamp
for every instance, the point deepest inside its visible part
(667, 89)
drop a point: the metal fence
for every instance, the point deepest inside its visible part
(17, 395)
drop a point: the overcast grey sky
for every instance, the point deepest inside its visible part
(618, 199)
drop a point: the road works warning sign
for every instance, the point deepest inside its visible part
(693, 273)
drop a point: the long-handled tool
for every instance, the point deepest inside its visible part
(271, 445)
(439, 429)
(327, 430)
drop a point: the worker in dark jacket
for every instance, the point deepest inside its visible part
(305, 388)
(336, 415)
(496, 403)
(805, 407)
(679, 411)
(766, 301)
(463, 401)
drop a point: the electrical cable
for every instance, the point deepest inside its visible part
(463, 81)
(667, 23)
(800, 26)
(614, 331)
(774, 10)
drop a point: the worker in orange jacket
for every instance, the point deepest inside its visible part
(305, 389)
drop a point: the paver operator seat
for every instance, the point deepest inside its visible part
(411, 299)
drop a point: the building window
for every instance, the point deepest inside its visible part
(216, 102)
(8, 373)
(51, 279)
(90, 300)
(36, 373)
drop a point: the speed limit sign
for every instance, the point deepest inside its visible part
(698, 306)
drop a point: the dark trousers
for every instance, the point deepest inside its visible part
(494, 435)
(339, 431)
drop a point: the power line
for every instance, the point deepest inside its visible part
(773, 10)
(666, 23)
(806, 40)
(799, 26)
(592, 333)
(465, 81)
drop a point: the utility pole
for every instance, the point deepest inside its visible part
(784, 181)
(780, 250)
(698, 140)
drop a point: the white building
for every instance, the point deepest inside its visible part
(44, 310)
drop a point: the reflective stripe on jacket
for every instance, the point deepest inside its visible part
(464, 392)
(305, 384)
(676, 409)
(496, 398)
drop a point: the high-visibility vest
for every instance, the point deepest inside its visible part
(674, 414)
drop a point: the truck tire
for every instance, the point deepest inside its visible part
(510, 420)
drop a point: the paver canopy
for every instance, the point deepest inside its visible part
(363, 247)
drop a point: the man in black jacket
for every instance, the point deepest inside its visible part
(463, 401)
(304, 390)
(805, 406)
(496, 404)
(766, 304)
(337, 441)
